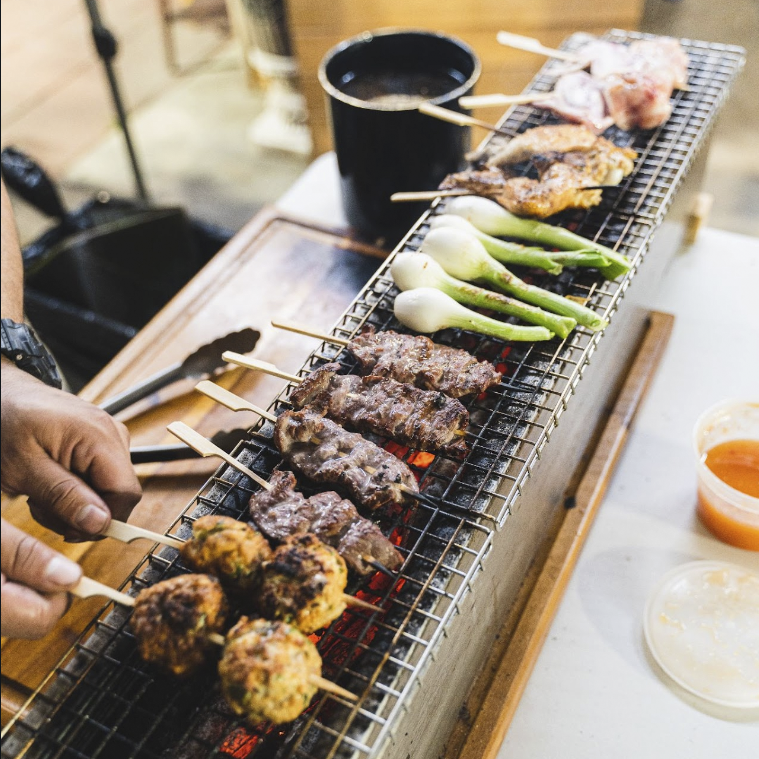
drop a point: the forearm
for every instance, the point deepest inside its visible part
(12, 280)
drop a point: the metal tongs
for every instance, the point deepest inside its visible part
(203, 362)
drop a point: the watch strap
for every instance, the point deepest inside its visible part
(21, 345)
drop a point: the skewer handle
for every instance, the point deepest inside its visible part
(87, 587)
(217, 639)
(446, 114)
(331, 687)
(531, 45)
(230, 400)
(205, 448)
(454, 117)
(261, 366)
(407, 197)
(302, 330)
(126, 533)
(484, 101)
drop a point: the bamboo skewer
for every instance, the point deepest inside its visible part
(205, 448)
(485, 101)
(454, 117)
(303, 330)
(126, 533)
(413, 197)
(532, 45)
(87, 587)
(263, 366)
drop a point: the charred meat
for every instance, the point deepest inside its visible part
(228, 549)
(417, 360)
(173, 618)
(423, 419)
(304, 584)
(568, 159)
(282, 511)
(324, 451)
(267, 670)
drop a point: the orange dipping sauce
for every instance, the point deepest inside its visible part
(736, 463)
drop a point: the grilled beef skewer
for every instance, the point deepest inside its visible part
(323, 451)
(417, 360)
(421, 419)
(281, 512)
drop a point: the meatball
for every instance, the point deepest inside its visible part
(267, 670)
(173, 618)
(228, 549)
(304, 584)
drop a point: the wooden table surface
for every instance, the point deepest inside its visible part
(276, 266)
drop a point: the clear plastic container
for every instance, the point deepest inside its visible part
(731, 515)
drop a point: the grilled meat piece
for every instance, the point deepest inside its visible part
(581, 99)
(638, 100)
(228, 549)
(417, 360)
(421, 419)
(304, 584)
(267, 670)
(628, 85)
(594, 160)
(568, 159)
(325, 452)
(281, 512)
(173, 618)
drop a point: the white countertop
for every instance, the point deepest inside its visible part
(594, 691)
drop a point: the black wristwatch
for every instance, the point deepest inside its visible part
(21, 345)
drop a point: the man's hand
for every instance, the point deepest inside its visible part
(70, 458)
(35, 579)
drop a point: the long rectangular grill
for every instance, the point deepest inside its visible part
(103, 701)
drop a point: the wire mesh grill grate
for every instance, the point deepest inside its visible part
(103, 701)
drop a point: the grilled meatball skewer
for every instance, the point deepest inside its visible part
(241, 558)
(177, 636)
(271, 671)
(426, 420)
(414, 359)
(175, 621)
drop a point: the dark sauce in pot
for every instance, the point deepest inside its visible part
(400, 90)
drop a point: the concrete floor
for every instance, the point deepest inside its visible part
(190, 130)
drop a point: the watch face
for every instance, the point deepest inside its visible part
(20, 345)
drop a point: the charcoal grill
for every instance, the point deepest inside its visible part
(465, 551)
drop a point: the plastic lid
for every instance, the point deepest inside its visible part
(702, 626)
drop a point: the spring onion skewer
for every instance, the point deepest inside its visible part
(462, 256)
(505, 252)
(493, 219)
(426, 310)
(414, 270)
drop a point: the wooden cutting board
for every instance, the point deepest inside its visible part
(275, 267)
